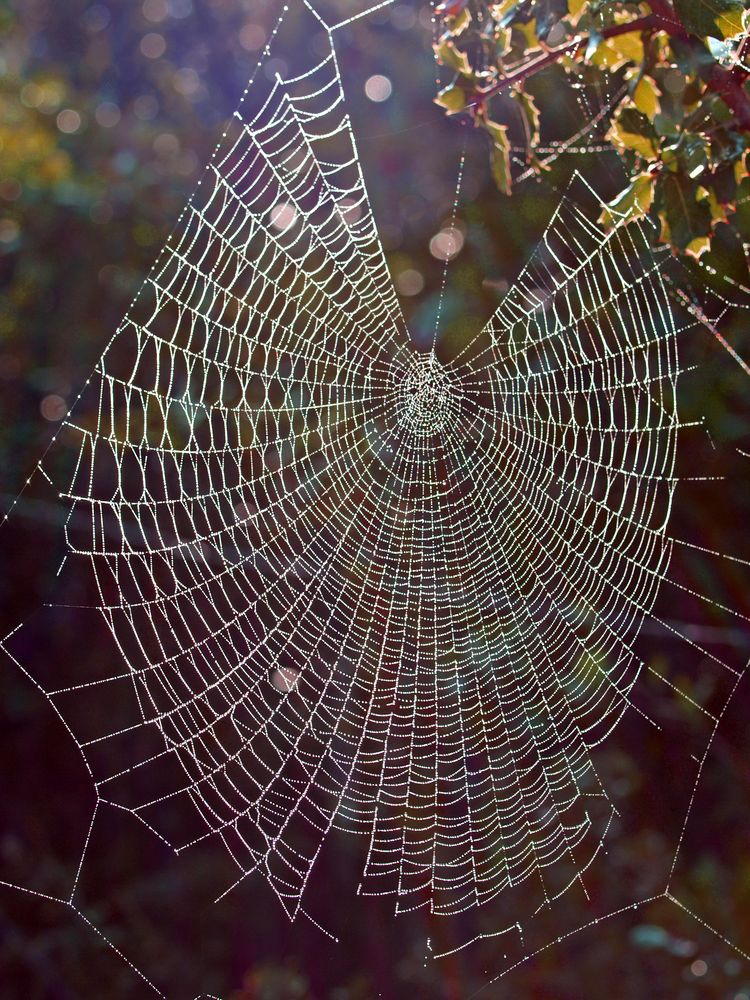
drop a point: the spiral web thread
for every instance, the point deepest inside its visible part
(354, 586)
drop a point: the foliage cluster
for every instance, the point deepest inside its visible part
(680, 111)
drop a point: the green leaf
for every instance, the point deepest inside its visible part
(530, 112)
(687, 218)
(452, 57)
(500, 155)
(715, 18)
(634, 131)
(452, 98)
(632, 203)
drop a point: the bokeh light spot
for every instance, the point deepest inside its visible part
(9, 230)
(96, 18)
(350, 211)
(155, 10)
(252, 37)
(447, 243)
(403, 17)
(285, 679)
(31, 95)
(282, 216)
(166, 144)
(153, 45)
(10, 189)
(107, 114)
(180, 8)
(410, 282)
(276, 68)
(68, 121)
(53, 407)
(699, 968)
(378, 88)
(186, 81)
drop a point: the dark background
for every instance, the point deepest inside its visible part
(107, 113)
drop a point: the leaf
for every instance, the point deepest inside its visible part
(666, 127)
(499, 10)
(452, 98)
(717, 18)
(458, 24)
(724, 184)
(500, 155)
(530, 112)
(698, 246)
(716, 208)
(576, 8)
(646, 97)
(527, 31)
(632, 130)
(502, 41)
(687, 218)
(740, 171)
(519, 13)
(450, 56)
(632, 203)
(612, 53)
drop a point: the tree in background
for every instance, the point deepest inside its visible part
(678, 114)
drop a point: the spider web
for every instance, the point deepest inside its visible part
(357, 586)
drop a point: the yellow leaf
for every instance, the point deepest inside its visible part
(451, 98)
(729, 24)
(641, 144)
(698, 246)
(629, 47)
(632, 203)
(646, 97)
(452, 57)
(616, 52)
(718, 211)
(665, 235)
(499, 10)
(459, 23)
(576, 8)
(500, 156)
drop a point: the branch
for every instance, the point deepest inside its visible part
(727, 83)
(664, 10)
(650, 23)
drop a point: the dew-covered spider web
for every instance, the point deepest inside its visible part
(354, 586)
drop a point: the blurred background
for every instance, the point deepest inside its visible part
(108, 111)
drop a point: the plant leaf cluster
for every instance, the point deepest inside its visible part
(679, 118)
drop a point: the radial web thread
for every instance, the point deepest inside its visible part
(353, 585)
